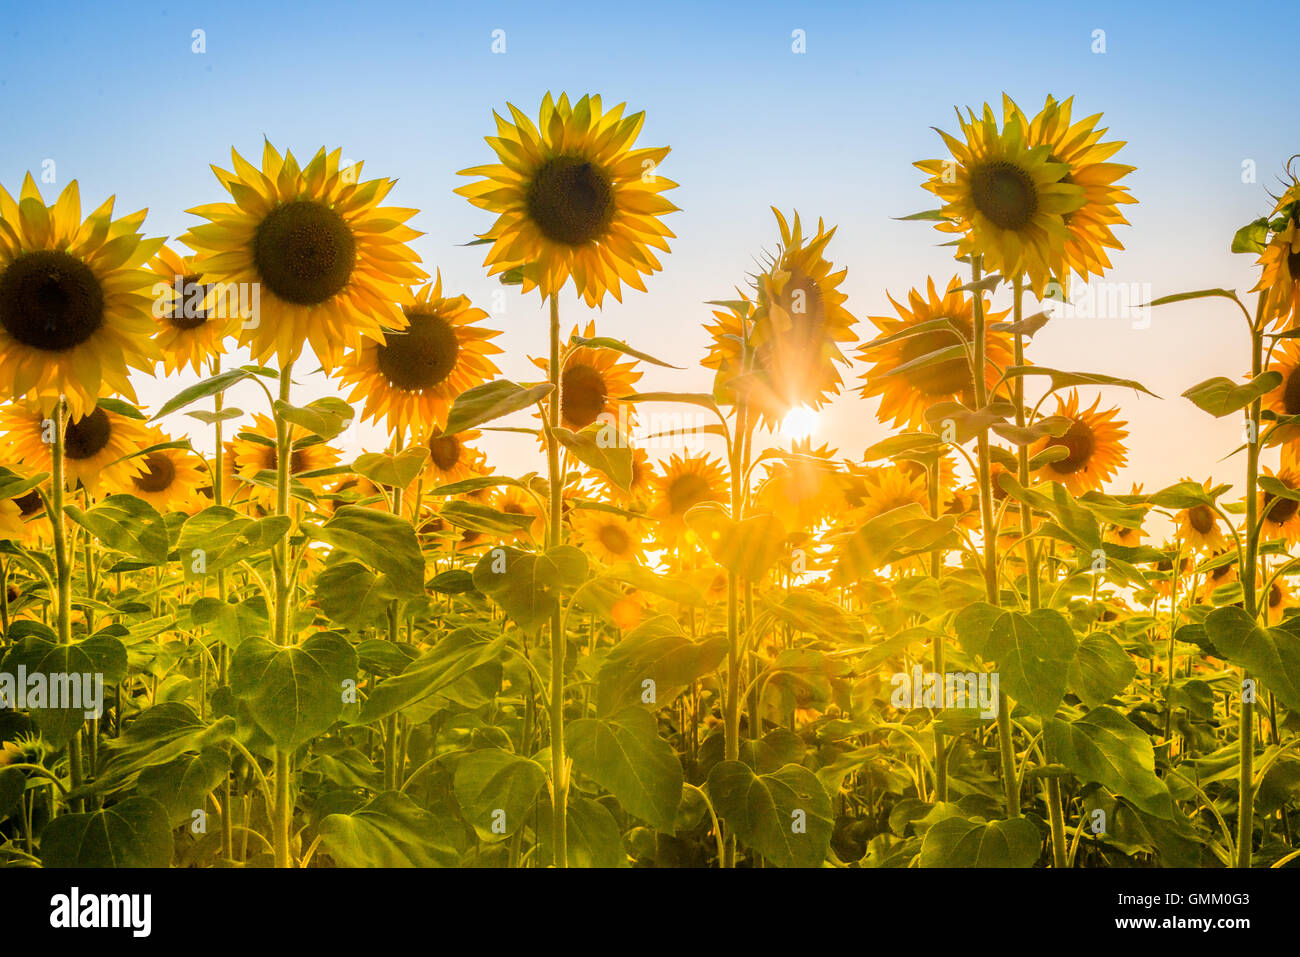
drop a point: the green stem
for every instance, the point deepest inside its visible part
(554, 536)
(63, 572)
(283, 812)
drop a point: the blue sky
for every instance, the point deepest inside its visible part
(115, 96)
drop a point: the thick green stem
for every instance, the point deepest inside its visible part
(554, 536)
(283, 459)
(63, 571)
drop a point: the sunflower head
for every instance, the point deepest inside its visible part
(804, 489)
(573, 198)
(452, 458)
(1279, 262)
(1093, 443)
(610, 538)
(253, 452)
(800, 321)
(167, 477)
(1199, 527)
(328, 264)
(74, 303)
(683, 482)
(98, 446)
(192, 321)
(412, 376)
(1005, 197)
(905, 395)
(593, 382)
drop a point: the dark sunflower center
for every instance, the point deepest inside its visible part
(1293, 265)
(1281, 510)
(1004, 193)
(949, 377)
(806, 306)
(444, 450)
(304, 252)
(1275, 595)
(50, 300)
(1201, 518)
(183, 315)
(1291, 392)
(1081, 443)
(159, 473)
(570, 200)
(687, 490)
(88, 435)
(422, 355)
(616, 540)
(29, 504)
(582, 395)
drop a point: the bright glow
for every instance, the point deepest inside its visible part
(799, 423)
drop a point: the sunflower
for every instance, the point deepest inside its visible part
(1094, 443)
(904, 397)
(1282, 515)
(1280, 598)
(608, 537)
(1123, 534)
(803, 492)
(1199, 528)
(11, 522)
(886, 489)
(1285, 399)
(1006, 198)
(167, 477)
(96, 446)
(412, 376)
(74, 303)
(35, 531)
(683, 482)
(1217, 577)
(330, 264)
(254, 452)
(513, 500)
(638, 490)
(192, 328)
(451, 458)
(1280, 262)
(800, 321)
(1085, 156)
(593, 384)
(354, 490)
(573, 198)
(727, 336)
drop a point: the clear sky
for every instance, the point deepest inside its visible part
(114, 94)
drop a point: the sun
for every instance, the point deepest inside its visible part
(573, 198)
(799, 423)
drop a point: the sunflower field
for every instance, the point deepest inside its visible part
(227, 643)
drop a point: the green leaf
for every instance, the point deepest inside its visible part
(70, 676)
(785, 816)
(325, 417)
(459, 652)
(1105, 747)
(1252, 237)
(232, 622)
(594, 836)
(528, 585)
(658, 651)
(1198, 294)
(489, 401)
(219, 537)
(385, 542)
(625, 755)
(1100, 670)
(215, 385)
(132, 833)
(496, 790)
(961, 842)
(1062, 380)
(126, 524)
(483, 518)
(393, 471)
(1270, 654)
(353, 595)
(389, 831)
(973, 624)
(603, 448)
(747, 548)
(1220, 396)
(293, 694)
(182, 786)
(617, 345)
(1033, 654)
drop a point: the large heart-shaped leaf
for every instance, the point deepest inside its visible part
(389, 831)
(625, 755)
(128, 525)
(1270, 654)
(455, 655)
(132, 833)
(293, 694)
(385, 542)
(656, 651)
(747, 548)
(1106, 747)
(1033, 654)
(785, 816)
(61, 685)
(489, 401)
(1220, 396)
(1100, 670)
(528, 585)
(959, 842)
(218, 537)
(496, 790)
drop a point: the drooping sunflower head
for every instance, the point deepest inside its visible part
(593, 383)
(1080, 148)
(411, 377)
(1285, 399)
(610, 538)
(74, 300)
(97, 446)
(452, 458)
(800, 321)
(906, 394)
(1281, 515)
(167, 477)
(1094, 445)
(1280, 262)
(1199, 527)
(327, 263)
(683, 482)
(1127, 535)
(1005, 197)
(573, 198)
(192, 322)
(255, 458)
